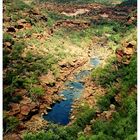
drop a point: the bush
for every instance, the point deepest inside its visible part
(7, 38)
(17, 49)
(11, 123)
(41, 136)
(85, 118)
(5, 58)
(101, 136)
(108, 99)
(36, 91)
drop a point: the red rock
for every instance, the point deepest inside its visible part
(119, 58)
(128, 51)
(25, 100)
(21, 92)
(129, 21)
(15, 108)
(120, 52)
(42, 106)
(12, 137)
(21, 126)
(33, 105)
(25, 109)
(20, 116)
(15, 137)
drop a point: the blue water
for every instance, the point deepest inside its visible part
(76, 85)
(82, 74)
(94, 61)
(60, 112)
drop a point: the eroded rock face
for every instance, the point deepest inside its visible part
(25, 109)
(125, 53)
(78, 12)
(12, 137)
(15, 108)
(25, 100)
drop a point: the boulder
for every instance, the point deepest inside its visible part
(15, 108)
(104, 15)
(133, 43)
(128, 50)
(7, 19)
(13, 136)
(27, 25)
(8, 44)
(33, 105)
(72, 117)
(25, 109)
(118, 98)
(112, 107)
(25, 101)
(63, 64)
(21, 21)
(20, 116)
(119, 55)
(87, 129)
(43, 106)
(35, 11)
(108, 114)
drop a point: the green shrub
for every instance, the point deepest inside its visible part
(9, 77)
(11, 123)
(36, 91)
(132, 137)
(41, 136)
(6, 58)
(17, 49)
(105, 76)
(108, 99)
(101, 136)
(19, 5)
(116, 38)
(7, 37)
(85, 118)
